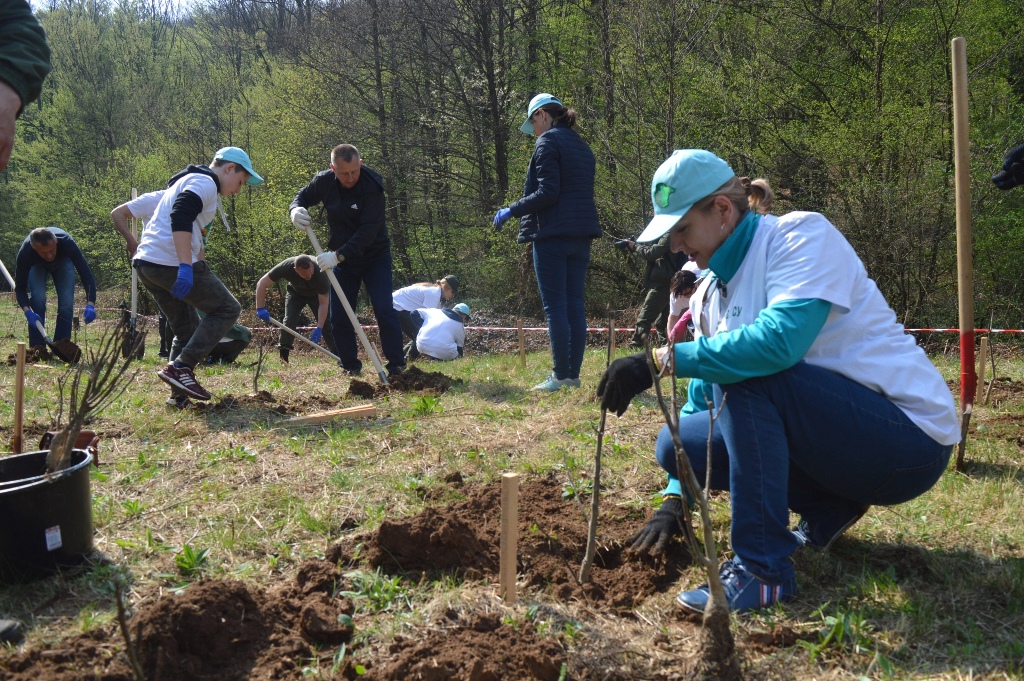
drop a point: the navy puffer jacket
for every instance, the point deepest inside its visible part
(558, 197)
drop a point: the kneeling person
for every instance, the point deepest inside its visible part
(442, 334)
(309, 287)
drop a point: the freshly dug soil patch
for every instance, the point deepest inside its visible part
(262, 399)
(482, 649)
(216, 629)
(412, 379)
(464, 537)
(32, 355)
(67, 350)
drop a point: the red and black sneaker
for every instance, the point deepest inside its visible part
(184, 380)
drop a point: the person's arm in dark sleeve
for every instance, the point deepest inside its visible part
(307, 196)
(549, 181)
(652, 251)
(24, 54)
(22, 265)
(74, 253)
(371, 223)
(187, 207)
(460, 349)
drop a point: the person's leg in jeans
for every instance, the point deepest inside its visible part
(344, 335)
(408, 323)
(576, 313)
(850, 442)
(550, 265)
(37, 277)
(63, 273)
(378, 281)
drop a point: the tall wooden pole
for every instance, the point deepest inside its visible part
(964, 262)
(19, 401)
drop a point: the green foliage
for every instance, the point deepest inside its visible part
(374, 592)
(190, 562)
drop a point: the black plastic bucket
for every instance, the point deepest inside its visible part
(45, 523)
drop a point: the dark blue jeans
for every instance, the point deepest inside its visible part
(809, 440)
(561, 267)
(375, 274)
(63, 273)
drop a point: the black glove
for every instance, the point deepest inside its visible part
(667, 523)
(1013, 169)
(623, 380)
(623, 245)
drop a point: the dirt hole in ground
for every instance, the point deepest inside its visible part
(411, 380)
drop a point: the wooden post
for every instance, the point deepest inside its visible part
(964, 259)
(982, 361)
(19, 400)
(611, 332)
(509, 532)
(522, 341)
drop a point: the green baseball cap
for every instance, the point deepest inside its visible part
(536, 103)
(681, 181)
(463, 309)
(236, 155)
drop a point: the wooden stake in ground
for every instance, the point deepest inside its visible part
(964, 261)
(522, 341)
(19, 401)
(982, 361)
(509, 531)
(361, 412)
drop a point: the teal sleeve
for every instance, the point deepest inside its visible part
(673, 487)
(779, 338)
(698, 397)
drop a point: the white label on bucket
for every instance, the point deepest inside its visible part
(53, 541)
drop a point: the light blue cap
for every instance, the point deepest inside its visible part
(681, 181)
(463, 309)
(536, 103)
(236, 155)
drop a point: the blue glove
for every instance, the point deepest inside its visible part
(32, 317)
(502, 215)
(90, 313)
(263, 313)
(183, 284)
(316, 335)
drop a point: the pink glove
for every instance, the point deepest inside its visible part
(679, 330)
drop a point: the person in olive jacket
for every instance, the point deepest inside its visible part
(358, 250)
(662, 263)
(557, 214)
(24, 63)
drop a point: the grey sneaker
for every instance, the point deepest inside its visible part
(553, 385)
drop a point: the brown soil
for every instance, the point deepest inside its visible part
(32, 355)
(464, 538)
(413, 379)
(67, 351)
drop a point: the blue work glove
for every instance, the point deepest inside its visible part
(183, 284)
(263, 313)
(32, 318)
(316, 335)
(90, 313)
(501, 217)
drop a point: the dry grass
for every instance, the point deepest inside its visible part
(937, 584)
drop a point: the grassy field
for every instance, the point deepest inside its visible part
(931, 589)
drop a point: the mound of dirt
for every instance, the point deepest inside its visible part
(262, 399)
(482, 649)
(464, 537)
(32, 355)
(216, 629)
(410, 380)
(67, 350)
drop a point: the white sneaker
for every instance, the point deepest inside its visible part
(552, 384)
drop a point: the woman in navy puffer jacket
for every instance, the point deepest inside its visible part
(558, 214)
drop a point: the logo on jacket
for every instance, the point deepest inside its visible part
(354, 207)
(661, 194)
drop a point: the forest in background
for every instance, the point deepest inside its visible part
(843, 105)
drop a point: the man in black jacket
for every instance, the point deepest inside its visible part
(359, 250)
(662, 263)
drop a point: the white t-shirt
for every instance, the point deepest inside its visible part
(145, 205)
(416, 296)
(156, 245)
(802, 256)
(678, 304)
(440, 336)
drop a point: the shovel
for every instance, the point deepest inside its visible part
(67, 351)
(304, 339)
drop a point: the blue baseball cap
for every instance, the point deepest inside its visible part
(536, 103)
(236, 155)
(681, 181)
(462, 308)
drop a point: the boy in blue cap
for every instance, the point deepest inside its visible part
(171, 265)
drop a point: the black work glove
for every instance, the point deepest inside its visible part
(624, 379)
(623, 245)
(1013, 169)
(655, 537)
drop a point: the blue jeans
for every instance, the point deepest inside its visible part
(561, 267)
(375, 274)
(809, 440)
(63, 273)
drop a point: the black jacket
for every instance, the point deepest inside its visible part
(355, 216)
(558, 197)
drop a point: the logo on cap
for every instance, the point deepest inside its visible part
(661, 194)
